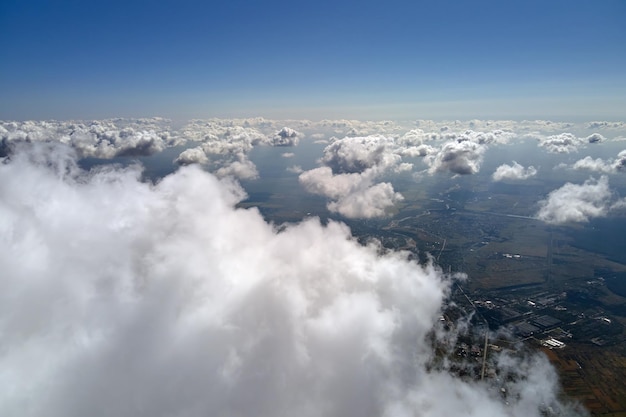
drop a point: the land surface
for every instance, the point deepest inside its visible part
(540, 282)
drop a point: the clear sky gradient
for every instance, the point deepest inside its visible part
(313, 59)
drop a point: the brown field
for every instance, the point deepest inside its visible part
(594, 376)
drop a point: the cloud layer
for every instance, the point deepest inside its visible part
(99, 138)
(125, 298)
(355, 173)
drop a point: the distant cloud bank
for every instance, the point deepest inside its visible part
(356, 164)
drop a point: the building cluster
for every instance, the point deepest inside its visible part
(550, 319)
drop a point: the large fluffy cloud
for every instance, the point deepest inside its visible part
(126, 298)
(577, 202)
(513, 172)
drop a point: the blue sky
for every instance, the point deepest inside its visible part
(323, 59)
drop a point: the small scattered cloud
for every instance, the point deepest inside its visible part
(513, 172)
(192, 156)
(418, 151)
(322, 181)
(295, 169)
(242, 168)
(590, 164)
(228, 144)
(620, 163)
(348, 176)
(368, 202)
(356, 154)
(595, 138)
(353, 195)
(577, 202)
(561, 143)
(286, 137)
(461, 158)
(619, 204)
(608, 166)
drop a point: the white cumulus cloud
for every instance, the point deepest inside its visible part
(241, 168)
(192, 156)
(590, 164)
(356, 154)
(461, 158)
(577, 202)
(609, 166)
(353, 195)
(513, 172)
(286, 137)
(348, 177)
(561, 143)
(372, 201)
